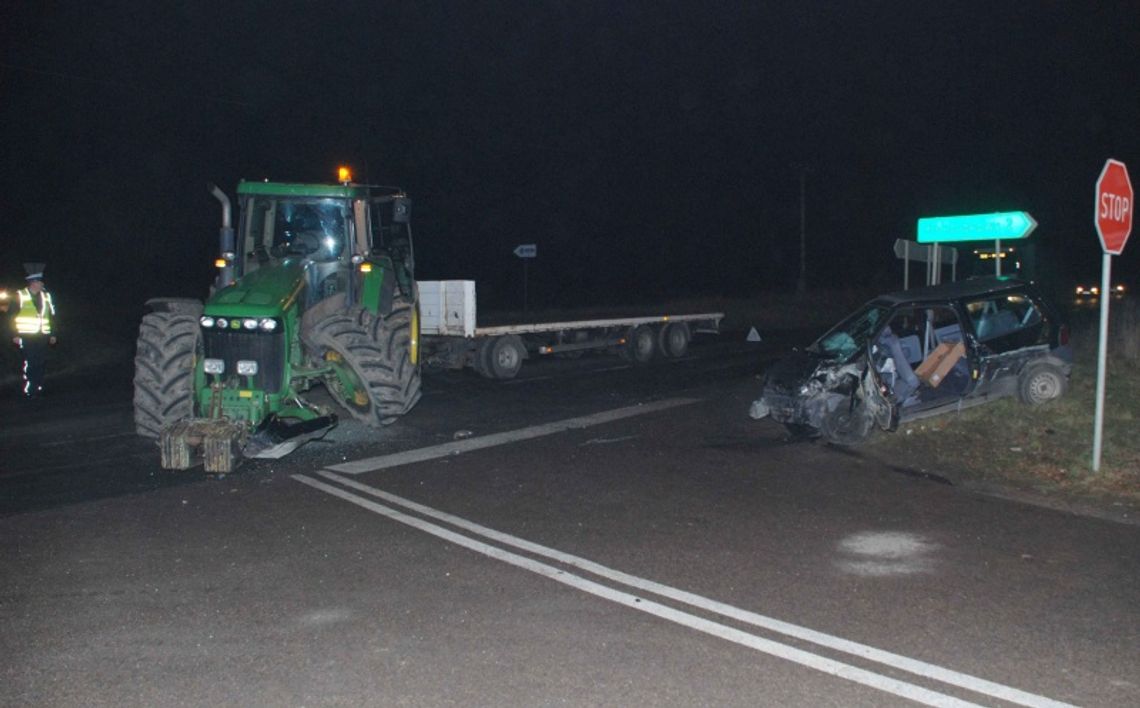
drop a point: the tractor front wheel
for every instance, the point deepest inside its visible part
(373, 376)
(164, 370)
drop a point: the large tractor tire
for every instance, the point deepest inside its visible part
(164, 370)
(376, 381)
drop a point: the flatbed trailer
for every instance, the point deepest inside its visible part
(451, 337)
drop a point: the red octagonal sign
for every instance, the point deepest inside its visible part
(1114, 207)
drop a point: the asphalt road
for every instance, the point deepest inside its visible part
(588, 534)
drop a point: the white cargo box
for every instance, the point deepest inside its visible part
(447, 307)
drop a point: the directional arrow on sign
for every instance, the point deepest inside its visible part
(1002, 226)
(526, 250)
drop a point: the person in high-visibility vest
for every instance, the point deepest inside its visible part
(33, 328)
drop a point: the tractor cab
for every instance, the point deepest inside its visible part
(337, 234)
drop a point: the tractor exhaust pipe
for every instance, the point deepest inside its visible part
(227, 245)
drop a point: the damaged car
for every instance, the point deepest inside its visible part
(917, 353)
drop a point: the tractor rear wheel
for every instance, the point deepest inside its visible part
(164, 370)
(375, 379)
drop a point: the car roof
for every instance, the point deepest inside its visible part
(972, 287)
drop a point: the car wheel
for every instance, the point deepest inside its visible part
(849, 424)
(1040, 384)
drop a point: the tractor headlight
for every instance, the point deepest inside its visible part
(214, 366)
(268, 324)
(222, 323)
(206, 321)
(249, 323)
(246, 367)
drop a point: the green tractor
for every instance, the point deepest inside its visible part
(317, 287)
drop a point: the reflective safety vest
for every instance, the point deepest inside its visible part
(29, 320)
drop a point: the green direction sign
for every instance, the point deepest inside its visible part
(1002, 226)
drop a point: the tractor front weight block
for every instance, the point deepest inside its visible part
(217, 444)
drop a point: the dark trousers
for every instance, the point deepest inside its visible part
(34, 350)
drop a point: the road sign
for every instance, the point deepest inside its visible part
(526, 250)
(1113, 219)
(1114, 206)
(1001, 226)
(911, 251)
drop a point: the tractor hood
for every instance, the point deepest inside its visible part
(266, 292)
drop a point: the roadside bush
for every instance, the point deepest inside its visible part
(1124, 330)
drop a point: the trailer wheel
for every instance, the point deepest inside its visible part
(674, 339)
(640, 344)
(373, 376)
(168, 343)
(481, 357)
(503, 356)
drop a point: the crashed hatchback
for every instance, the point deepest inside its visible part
(917, 353)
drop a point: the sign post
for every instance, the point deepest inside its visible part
(526, 251)
(1113, 219)
(933, 255)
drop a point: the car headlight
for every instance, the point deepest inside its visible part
(246, 367)
(268, 324)
(213, 366)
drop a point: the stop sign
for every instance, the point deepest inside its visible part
(1114, 207)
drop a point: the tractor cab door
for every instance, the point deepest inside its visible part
(390, 239)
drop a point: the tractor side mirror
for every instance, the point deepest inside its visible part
(401, 210)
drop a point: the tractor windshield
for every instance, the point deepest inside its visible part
(281, 227)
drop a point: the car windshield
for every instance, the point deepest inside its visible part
(848, 338)
(312, 228)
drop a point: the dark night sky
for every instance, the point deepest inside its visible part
(649, 149)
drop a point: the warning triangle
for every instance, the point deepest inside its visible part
(753, 335)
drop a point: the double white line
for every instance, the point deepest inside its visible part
(472, 540)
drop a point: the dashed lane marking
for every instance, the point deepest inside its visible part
(371, 464)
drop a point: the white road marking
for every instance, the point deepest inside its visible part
(767, 646)
(371, 464)
(914, 666)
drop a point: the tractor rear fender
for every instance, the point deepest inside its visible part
(378, 287)
(176, 305)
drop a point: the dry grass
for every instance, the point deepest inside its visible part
(1047, 449)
